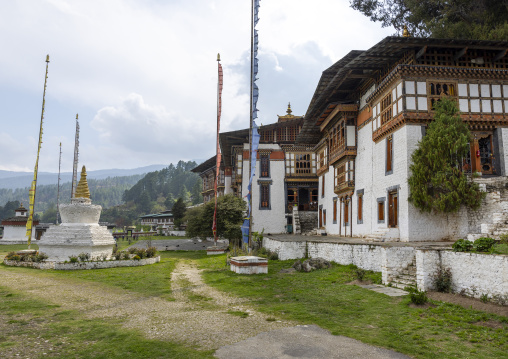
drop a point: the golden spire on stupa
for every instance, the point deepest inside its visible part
(82, 190)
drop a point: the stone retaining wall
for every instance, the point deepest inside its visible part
(474, 274)
(85, 265)
(364, 256)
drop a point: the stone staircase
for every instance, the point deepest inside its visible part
(308, 221)
(378, 235)
(406, 277)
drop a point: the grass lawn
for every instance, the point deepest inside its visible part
(323, 297)
(440, 330)
(48, 331)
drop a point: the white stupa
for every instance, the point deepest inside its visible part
(80, 231)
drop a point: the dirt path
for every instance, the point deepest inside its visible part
(198, 316)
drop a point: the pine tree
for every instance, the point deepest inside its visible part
(437, 182)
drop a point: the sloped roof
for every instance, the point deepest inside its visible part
(341, 82)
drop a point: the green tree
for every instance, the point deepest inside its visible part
(179, 209)
(230, 210)
(437, 182)
(463, 19)
(49, 215)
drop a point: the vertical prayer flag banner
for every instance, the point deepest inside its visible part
(218, 157)
(254, 128)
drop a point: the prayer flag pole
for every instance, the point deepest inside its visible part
(31, 193)
(218, 153)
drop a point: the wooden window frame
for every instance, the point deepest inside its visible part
(393, 208)
(386, 113)
(264, 167)
(264, 196)
(345, 218)
(323, 186)
(359, 206)
(389, 155)
(335, 210)
(381, 210)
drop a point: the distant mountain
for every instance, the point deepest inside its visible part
(13, 180)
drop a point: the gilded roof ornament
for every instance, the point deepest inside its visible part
(405, 32)
(82, 190)
(289, 111)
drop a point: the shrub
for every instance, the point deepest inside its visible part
(503, 238)
(83, 257)
(10, 256)
(41, 257)
(136, 257)
(73, 259)
(443, 280)
(483, 244)
(132, 250)
(151, 252)
(462, 245)
(360, 274)
(117, 255)
(273, 256)
(417, 297)
(141, 252)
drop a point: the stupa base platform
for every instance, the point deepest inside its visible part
(85, 265)
(61, 242)
(249, 265)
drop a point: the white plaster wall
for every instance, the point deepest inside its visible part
(227, 185)
(503, 149)
(16, 233)
(285, 250)
(363, 180)
(475, 274)
(327, 202)
(274, 219)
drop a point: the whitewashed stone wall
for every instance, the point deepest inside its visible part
(362, 255)
(503, 149)
(285, 250)
(473, 273)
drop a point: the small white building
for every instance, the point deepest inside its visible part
(14, 228)
(158, 221)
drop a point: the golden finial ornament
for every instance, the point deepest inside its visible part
(405, 32)
(218, 57)
(82, 190)
(289, 111)
(47, 58)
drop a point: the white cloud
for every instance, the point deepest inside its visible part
(147, 69)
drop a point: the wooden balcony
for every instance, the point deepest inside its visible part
(344, 187)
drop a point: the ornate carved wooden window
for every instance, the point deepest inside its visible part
(267, 135)
(386, 109)
(300, 164)
(303, 163)
(440, 89)
(264, 189)
(322, 158)
(265, 165)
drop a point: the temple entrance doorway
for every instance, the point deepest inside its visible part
(303, 202)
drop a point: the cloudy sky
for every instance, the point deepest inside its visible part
(142, 74)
